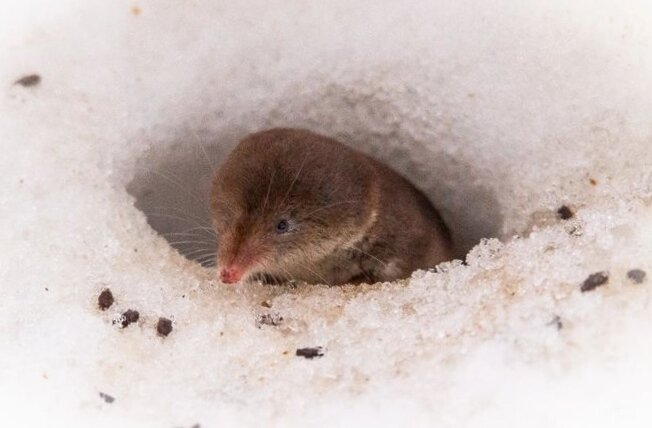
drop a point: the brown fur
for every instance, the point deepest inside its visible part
(352, 218)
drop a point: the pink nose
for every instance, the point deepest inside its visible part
(230, 274)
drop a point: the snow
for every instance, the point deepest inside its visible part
(501, 112)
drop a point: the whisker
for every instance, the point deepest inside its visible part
(304, 266)
(206, 262)
(203, 149)
(177, 217)
(330, 206)
(191, 250)
(178, 184)
(206, 229)
(190, 242)
(205, 258)
(185, 234)
(182, 214)
(165, 209)
(202, 230)
(277, 277)
(200, 252)
(269, 188)
(296, 177)
(288, 276)
(367, 254)
(205, 254)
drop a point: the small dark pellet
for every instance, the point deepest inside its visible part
(105, 300)
(594, 281)
(129, 316)
(310, 353)
(637, 276)
(107, 397)
(565, 212)
(28, 80)
(556, 321)
(272, 319)
(164, 327)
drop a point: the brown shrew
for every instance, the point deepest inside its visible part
(292, 204)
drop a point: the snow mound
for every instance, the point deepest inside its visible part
(502, 113)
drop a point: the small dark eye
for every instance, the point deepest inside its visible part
(282, 226)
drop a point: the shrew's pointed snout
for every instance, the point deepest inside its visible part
(230, 274)
(236, 262)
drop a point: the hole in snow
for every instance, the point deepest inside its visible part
(172, 183)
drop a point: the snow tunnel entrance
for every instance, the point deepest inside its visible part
(172, 184)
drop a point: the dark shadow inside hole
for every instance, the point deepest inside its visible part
(171, 186)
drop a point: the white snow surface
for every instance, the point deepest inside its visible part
(499, 111)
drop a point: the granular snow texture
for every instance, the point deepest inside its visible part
(114, 114)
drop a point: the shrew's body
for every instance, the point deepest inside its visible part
(291, 204)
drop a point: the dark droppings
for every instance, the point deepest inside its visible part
(273, 319)
(565, 212)
(594, 281)
(556, 322)
(575, 231)
(163, 327)
(637, 276)
(28, 80)
(310, 353)
(129, 316)
(105, 300)
(107, 398)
